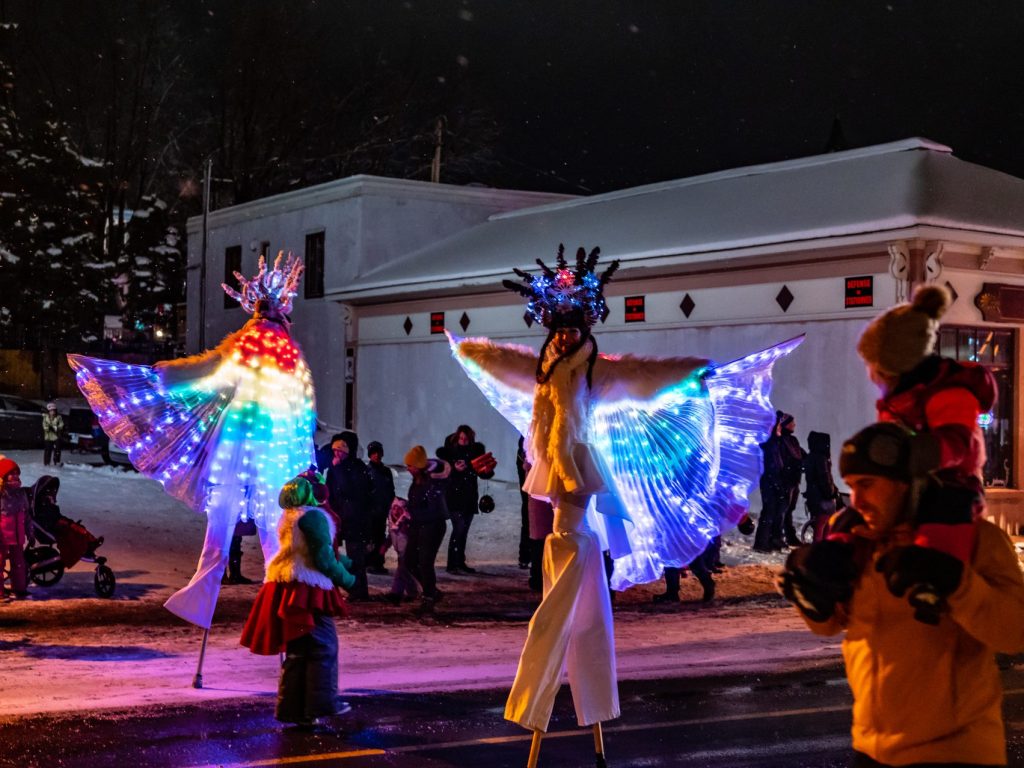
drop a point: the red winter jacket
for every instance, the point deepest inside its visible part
(944, 398)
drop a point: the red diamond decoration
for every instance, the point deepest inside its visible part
(784, 298)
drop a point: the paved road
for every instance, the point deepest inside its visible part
(792, 721)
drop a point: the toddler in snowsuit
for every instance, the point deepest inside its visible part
(398, 537)
(15, 527)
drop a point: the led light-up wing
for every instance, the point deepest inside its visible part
(504, 373)
(683, 463)
(233, 432)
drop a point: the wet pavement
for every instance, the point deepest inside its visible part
(797, 720)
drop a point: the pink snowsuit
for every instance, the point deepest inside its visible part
(14, 522)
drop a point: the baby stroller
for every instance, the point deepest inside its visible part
(60, 542)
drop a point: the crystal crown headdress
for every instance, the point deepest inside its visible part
(275, 286)
(559, 293)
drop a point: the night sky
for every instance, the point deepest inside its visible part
(591, 95)
(602, 95)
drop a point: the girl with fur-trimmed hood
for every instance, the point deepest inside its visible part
(295, 609)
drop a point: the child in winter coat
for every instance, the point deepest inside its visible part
(295, 609)
(923, 694)
(939, 398)
(398, 537)
(15, 527)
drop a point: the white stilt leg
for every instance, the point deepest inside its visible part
(535, 749)
(599, 760)
(197, 681)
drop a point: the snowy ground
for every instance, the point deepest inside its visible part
(65, 649)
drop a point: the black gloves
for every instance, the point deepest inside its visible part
(929, 575)
(818, 576)
(925, 454)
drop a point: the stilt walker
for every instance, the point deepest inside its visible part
(648, 458)
(223, 431)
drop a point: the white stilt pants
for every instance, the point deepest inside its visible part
(571, 628)
(196, 601)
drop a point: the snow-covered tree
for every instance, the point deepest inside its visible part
(55, 290)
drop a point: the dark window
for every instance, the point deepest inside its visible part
(994, 349)
(265, 249)
(314, 276)
(232, 264)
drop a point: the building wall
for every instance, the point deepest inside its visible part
(366, 222)
(410, 391)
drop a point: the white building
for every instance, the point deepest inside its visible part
(716, 265)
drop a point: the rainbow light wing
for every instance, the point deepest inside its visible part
(234, 436)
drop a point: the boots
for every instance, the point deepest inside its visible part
(233, 575)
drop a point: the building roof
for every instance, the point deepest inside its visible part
(903, 189)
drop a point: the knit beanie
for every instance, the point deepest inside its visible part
(7, 466)
(900, 338)
(317, 483)
(416, 457)
(297, 492)
(374, 447)
(881, 450)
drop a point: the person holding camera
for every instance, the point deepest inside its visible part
(469, 460)
(922, 627)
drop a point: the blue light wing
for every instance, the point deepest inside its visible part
(683, 463)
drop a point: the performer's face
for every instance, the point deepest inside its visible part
(880, 500)
(13, 480)
(566, 338)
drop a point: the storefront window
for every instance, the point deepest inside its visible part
(993, 349)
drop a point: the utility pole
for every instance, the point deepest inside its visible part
(435, 167)
(207, 179)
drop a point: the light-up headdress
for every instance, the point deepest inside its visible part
(272, 289)
(564, 296)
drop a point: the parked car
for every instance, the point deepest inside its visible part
(21, 422)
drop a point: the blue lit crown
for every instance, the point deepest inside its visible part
(275, 287)
(564, 296)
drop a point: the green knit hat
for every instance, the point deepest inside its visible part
(297, 492)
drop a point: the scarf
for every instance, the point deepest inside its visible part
(561, 410)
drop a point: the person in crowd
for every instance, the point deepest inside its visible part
(74, 541)
(399, 522)
(821, 493)
(702, 568)
(427, 514)
(939, 398)
(524, 506)
(233, 573)
(924, 693)
(53, 432)
(542, 522)
(325, 453)
(780, 486)
(351, 488)
(381, 496)
(295, 609)
(468, 460)
(15, 527)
